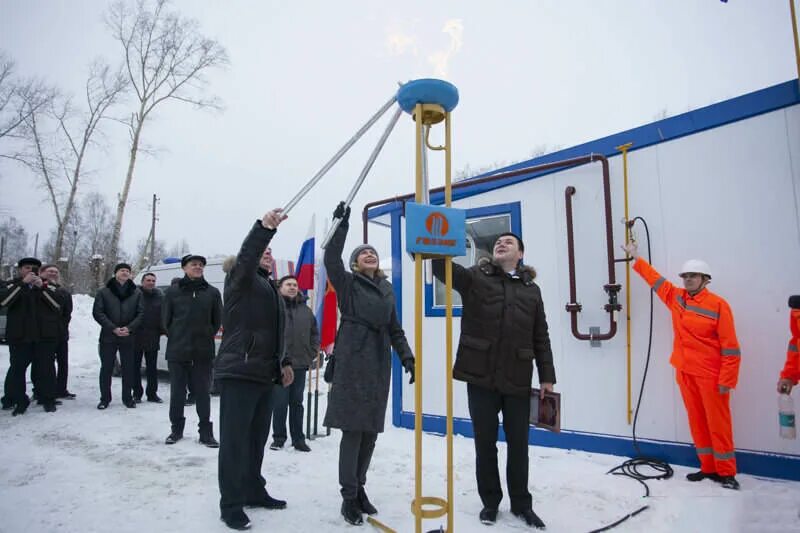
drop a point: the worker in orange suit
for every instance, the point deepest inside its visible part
(706, 357)
(790, 375)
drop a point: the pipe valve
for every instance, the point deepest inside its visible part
(613, 303)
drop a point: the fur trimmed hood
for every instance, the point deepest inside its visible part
(526, 272)
(227, 264)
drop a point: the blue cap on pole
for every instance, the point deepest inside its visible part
(427, 91)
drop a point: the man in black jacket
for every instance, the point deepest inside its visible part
(146, 341)
(34, 327)
(503, 329)
(52, 275)
(302, 345)
(118, 308)
(250, 362)
(191, 316)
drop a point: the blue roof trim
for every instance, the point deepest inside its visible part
(713, 116)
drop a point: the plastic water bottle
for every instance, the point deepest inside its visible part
(786, 416)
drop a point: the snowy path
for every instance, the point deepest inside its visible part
(81, 470)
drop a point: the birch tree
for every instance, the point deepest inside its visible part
(58, 137)
(19, 98)
(166, 59)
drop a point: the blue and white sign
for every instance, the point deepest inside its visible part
(435, 230)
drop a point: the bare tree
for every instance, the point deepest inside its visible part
(103, 90)
(15, 243)
(18, 98)
(166, 59)
(467, 172)
(179, 249)
(143, 251)
(95, 224)
(57, 138)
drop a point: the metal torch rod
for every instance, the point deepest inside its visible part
(324, 170)
(367, 167)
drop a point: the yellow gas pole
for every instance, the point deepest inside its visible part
(796, 39)
(432, 232)
(624, 149)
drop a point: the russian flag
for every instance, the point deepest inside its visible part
(325, 311)
(304, 270)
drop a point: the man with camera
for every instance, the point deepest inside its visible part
(33, 330)
(52, 275)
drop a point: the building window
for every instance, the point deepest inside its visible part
(484, 225)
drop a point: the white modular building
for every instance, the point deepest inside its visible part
(721, 183)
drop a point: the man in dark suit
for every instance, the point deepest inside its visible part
(118, 308)
(146, 341)
(191, 315)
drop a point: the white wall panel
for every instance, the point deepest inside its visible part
(729, 195)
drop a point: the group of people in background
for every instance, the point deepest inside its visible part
(270, 340)
(37, 331)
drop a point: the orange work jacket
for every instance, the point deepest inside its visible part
(704, 335)
(791, 370)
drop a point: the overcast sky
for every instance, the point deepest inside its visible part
(305, 75)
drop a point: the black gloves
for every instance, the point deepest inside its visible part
(341, 212)
(408, 364)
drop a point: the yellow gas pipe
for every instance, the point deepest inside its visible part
(426, 114)
(624, 149)
(796, 40)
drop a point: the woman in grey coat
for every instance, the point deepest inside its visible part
(368, 330)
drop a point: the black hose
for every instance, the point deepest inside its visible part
(631, 467)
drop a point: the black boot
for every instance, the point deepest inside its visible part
(700, 476)
(236, 519)
(352, 512)
(177, 432)
(207, 435)
(6, 402)
(364, 503)
(21, 407)
(488, 516)
(729, 482)
(267, 502)
(530, 518)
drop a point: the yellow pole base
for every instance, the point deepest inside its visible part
(439, 507)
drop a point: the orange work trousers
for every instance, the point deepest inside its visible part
(710, 423)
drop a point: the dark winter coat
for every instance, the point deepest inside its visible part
(117, 306)
(191, 315)
(302, 335)
(252, 345)
(65, 299)
(368, 330)
(34, 313)
(503, 328)
(149, 334)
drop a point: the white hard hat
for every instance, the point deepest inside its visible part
(696, 266)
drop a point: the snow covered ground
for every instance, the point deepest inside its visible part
(83, 470)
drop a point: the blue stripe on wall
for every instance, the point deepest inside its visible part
(747, 461)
